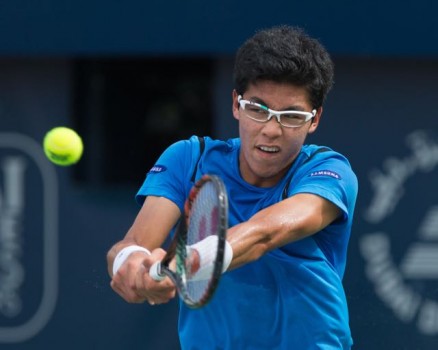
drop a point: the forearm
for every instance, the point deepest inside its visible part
(285, 222)
(249, 241)
(150, 228)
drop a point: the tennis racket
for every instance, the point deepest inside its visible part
(195, 257)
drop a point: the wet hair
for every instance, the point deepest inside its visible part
(285, 54)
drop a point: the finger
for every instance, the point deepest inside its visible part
(127, 295)
(148, 289)
(159, 292)
(125, 283)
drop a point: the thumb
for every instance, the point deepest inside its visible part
(156, 255)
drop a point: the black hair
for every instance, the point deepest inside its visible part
(285, 54)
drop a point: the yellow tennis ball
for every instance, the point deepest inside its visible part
(63, 146)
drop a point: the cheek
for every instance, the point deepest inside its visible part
(244, 134)
(248, 129)
(296, 140)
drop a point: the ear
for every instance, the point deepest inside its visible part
(235, 106)
(315, 121)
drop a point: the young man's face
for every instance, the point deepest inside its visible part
(268, 149)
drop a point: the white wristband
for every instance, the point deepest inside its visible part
(228, 256)
(124, 253)
(204, 249)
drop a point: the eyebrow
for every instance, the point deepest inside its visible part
(289, 108)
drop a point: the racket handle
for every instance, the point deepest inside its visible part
(155, 272)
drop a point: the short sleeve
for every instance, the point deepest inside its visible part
(170, 176)
(329, 175)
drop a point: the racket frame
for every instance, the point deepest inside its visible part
(178, 246)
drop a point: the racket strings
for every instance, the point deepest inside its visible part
(202, 238)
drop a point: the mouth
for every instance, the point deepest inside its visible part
(269, 149)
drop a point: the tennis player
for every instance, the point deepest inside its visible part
(290, 210)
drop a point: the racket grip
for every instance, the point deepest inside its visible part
(155, 272)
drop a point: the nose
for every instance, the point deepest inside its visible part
(272, 127)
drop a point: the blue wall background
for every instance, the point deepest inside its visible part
(51, 27)
(54, 232)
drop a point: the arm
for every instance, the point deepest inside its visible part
(150, 228)
(287, 221)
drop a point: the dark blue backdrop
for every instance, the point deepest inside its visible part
(381, 114)
(83, 27)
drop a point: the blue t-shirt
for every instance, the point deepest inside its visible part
(292, 297)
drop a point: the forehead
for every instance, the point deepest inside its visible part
(278, 95)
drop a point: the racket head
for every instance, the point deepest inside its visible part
(206, 217)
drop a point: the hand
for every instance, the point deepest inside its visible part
(133, 283)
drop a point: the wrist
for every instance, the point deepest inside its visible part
(124, 253)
